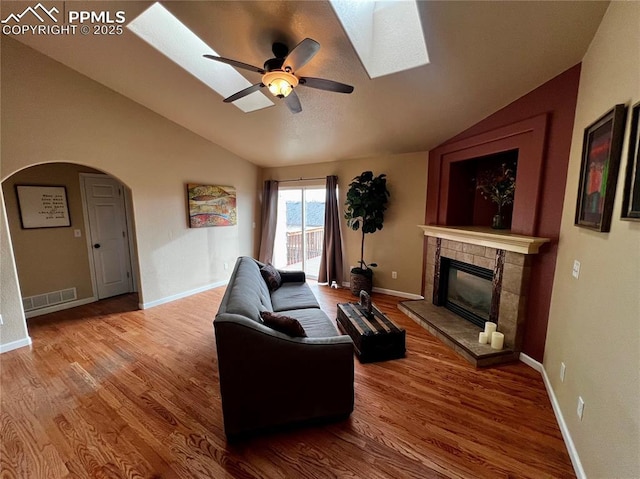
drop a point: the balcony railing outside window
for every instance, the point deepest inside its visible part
(313, 238)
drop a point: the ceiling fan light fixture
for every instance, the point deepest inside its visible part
(280, 83)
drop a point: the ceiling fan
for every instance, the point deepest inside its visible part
(279, 75)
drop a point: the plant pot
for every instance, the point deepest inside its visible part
(497, 223)
(361, 282)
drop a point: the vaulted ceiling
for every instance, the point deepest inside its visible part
(483, 55)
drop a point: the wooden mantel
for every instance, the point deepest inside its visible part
(499, 239)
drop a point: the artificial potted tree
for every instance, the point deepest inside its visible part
(366, 203)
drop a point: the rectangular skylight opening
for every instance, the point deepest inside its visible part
(163, 31)
(387, 34)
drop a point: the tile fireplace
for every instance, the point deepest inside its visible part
(492, 270)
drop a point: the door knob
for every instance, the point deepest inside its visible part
(96, 246)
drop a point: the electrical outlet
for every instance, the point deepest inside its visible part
(576, 269)
(394, 275)
(77, 233)
(563, 369)
(226, 266)
(580, 410)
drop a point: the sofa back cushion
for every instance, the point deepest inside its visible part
(247, 293)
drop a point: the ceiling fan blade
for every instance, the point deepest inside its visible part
(243, 93)
(301, 54)
(293, 102)
(235, 63)
(322, 84)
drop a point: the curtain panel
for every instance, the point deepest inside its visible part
(269, 220)
(331, 259)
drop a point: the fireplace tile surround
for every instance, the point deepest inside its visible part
(509, 257)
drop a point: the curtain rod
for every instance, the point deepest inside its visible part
(302, 179)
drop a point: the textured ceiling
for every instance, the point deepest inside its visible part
(483, 56)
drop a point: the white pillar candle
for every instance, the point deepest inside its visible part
(483, 338)
(489, 328)
(497, 340)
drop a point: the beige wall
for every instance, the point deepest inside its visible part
(594, 321)
(398, 246)
(13, 328)
(50, 259)
(51, 113)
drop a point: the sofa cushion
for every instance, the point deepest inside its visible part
(314, 321)
(293, 296)
(247, 294)
(271, 277)
(284, 324)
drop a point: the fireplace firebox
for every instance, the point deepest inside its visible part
(467, 290)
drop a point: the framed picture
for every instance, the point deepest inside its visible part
(631, 198)
(601, 150)
(43, 206)
(211, 205)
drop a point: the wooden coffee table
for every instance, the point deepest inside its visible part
(375, 336)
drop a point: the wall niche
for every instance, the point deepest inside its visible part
(452, 199)
(467, 206)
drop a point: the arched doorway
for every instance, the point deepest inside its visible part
(56, 266)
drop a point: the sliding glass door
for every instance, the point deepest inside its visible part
(300, 230)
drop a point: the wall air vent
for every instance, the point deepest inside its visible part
(39, 301)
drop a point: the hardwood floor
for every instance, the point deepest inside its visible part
(108, 391)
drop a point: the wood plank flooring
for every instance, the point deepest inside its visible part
(108, 391)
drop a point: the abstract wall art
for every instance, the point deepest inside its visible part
(211, 205)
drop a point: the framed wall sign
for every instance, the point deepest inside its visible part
(43, 206)
(601, 150)
(631, 198)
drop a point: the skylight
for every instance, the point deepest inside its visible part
(387, 35)
(160, 29)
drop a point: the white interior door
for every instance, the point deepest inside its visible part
(108, 234)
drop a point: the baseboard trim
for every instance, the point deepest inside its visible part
(390, 292)
(184, 294)
(60, 307)
(564, 429)
(529, 361)
(20, 343)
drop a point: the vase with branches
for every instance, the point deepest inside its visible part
(366, 203)
(498, 185)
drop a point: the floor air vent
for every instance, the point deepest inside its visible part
(31, 303)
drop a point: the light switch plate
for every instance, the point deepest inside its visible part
(580, 409)
(576, 269)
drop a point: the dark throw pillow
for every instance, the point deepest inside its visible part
(283, 324)
(271, 277)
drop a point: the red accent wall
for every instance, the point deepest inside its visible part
(555, 99)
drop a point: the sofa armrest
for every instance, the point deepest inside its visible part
(268, 378)
(292, 276)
